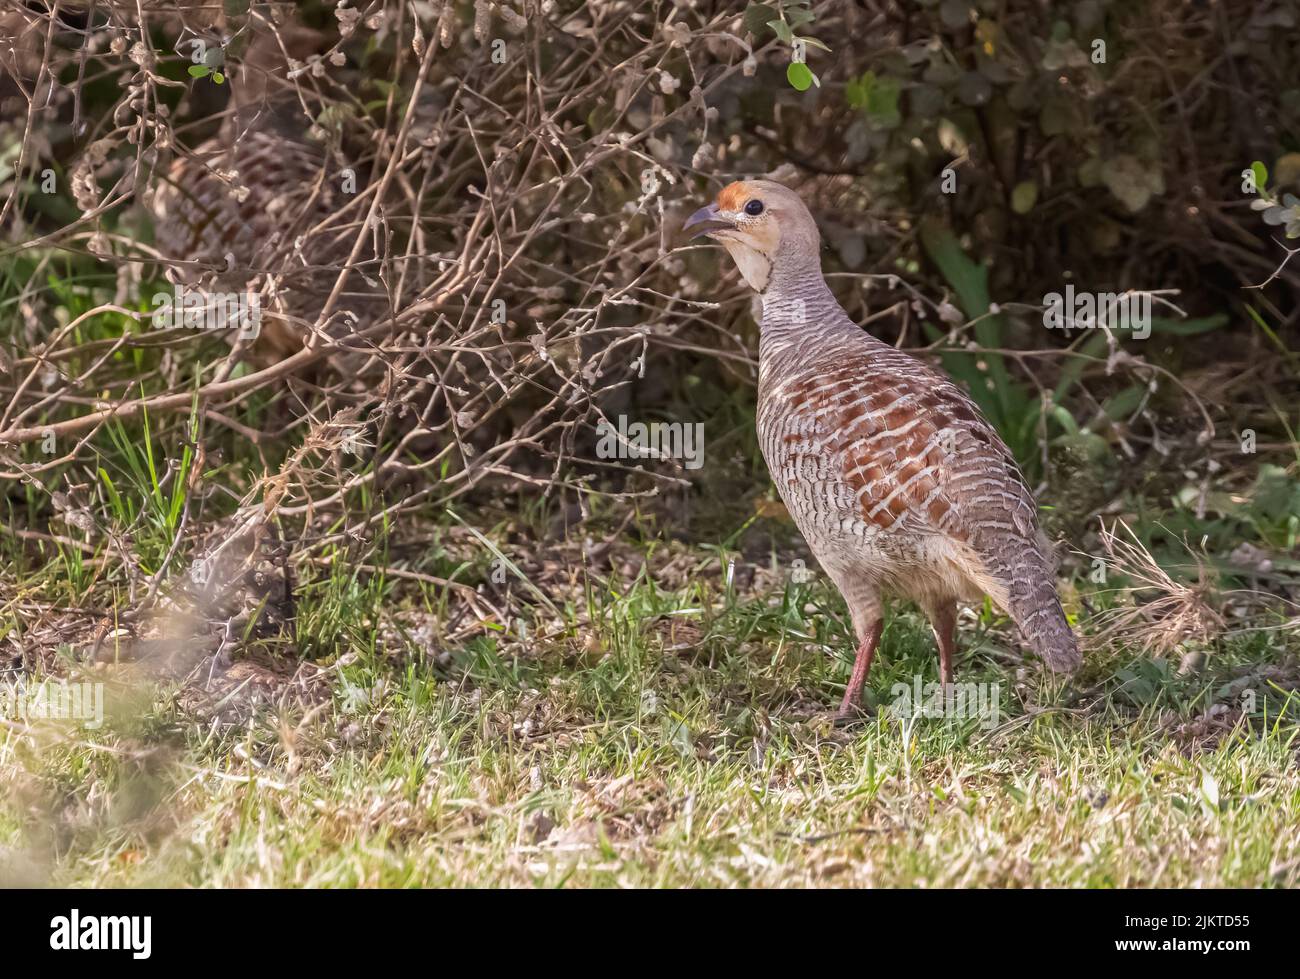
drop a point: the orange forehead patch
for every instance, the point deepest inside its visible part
(733, 196)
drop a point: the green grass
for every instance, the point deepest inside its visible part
(624, 750)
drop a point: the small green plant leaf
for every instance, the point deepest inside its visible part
(1261, 175)
(198, 71)
(1012, 411)
(1024, 197)
(782, 30)
(1065, 419)
(881, 102)
(756, 17)
(1187, 328)
(799, 17)
(799, 76)
(218, 77)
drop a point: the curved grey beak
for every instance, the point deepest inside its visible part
(707, 220)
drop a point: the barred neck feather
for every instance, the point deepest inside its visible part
(801, 316)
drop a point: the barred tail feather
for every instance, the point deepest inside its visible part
(1037, 611)
(1021, 579)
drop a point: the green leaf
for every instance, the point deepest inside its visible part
(218, 77)
(1124, 402)
(798, 17)
(1005, 402)
(1094, 346)
(679, 735)
(198, 71)
(877, 97)
(858, 90)
(1187, 328)
(1064, 419)
(1058, 116)
(1261, 175)
(1273, 492)
(880, 101)
(782, 30)
(115, 498)
(756, 17)
(799, 76)
(1089, 172)
(1024, 196)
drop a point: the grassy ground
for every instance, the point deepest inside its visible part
(611, 706)
(653, 736)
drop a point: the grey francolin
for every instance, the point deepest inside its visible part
(898, 484)
(260, 201)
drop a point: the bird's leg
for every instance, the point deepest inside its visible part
(944, 622)
(861, 666)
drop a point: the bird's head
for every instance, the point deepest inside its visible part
(761, 224)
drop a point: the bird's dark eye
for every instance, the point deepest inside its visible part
(754, 208)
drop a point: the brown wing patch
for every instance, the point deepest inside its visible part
(911, 448)
(897, 475)
(889, 445)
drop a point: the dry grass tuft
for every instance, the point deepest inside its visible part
(1163, 613)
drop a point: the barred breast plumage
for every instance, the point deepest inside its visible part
(895, 479)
